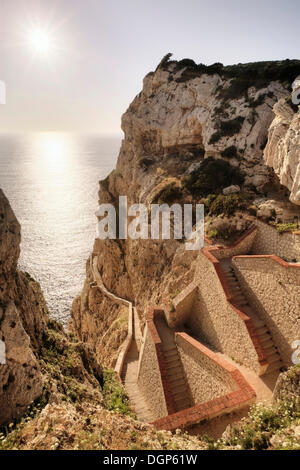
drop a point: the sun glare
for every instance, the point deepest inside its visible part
(41, 42)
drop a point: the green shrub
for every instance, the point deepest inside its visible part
(169, 194)
(230, 152)
(244, 76)
(213, 234)
(145, 163)
(114, 395)
(227, 129)
(286, 227)
(212, 175)
(227, 205)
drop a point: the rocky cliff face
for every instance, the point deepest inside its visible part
(282, 150)
(183, 115)
(23, 318)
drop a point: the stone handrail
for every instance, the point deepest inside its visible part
(120, 301)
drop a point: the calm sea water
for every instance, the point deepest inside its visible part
(51, 181)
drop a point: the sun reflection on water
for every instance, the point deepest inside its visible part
(54, 151)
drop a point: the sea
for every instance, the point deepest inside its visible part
(52, 182)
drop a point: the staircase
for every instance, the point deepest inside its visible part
(263, 332)
(176, 375)
(129, 379)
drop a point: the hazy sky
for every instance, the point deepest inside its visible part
(102, 49)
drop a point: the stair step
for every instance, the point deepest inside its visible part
(180, 389)
(262, 330)
(177, 379)
(273, 358)
(263, 338)
(257, 323)
(171, 354)
(169, 350)
(267, 343)
(241, 302)
(179, 395)
(270, 349)
(274, 366)
(239, 296)
(172, 362)
(175, 366)
(178, 384)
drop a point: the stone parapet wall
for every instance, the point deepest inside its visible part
(206, 375)
(269, 241)
(182, 306)
(215, 318)
(273, 288)
(241, 247)
(152, 374)
(239, 393)
(98, 283)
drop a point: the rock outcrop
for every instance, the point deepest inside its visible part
(183, 115)
(282, 150)
(23, 318)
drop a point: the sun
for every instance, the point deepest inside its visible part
(41, 41)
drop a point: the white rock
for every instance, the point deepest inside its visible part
(282, 150)
(231, 190)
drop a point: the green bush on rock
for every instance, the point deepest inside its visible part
(212, 175)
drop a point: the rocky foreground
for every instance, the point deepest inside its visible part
(54, 394)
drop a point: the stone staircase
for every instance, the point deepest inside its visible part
(176, 375)
(264, 334)
(129, 379)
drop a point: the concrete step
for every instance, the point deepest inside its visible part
(273, 358)
(231, 276)
(177, 379)
(180, 394)
(235, 287)
(241, 302)
(172, 360)
(239, 296)
(171, 353)
(257, 323)
(178, 382)
(180, 388)
(267, 343)
(169, 350)
(263, 338)
(274, 366)
(262, 330)
(175, 367)
(271, 349)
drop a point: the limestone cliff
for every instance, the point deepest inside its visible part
(23, 318)
(185, 115)
(282, 150)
